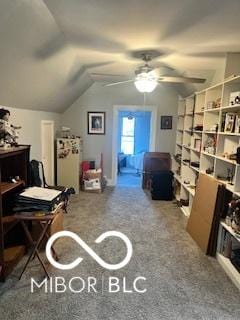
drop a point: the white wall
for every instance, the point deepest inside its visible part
(30, 121)
(99, 98)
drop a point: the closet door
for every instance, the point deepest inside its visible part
(47, 138)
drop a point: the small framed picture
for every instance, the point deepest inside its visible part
(166, 122)
(96, 122)
(229, 122)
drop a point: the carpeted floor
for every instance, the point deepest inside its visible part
(181, 283)
(129, 179)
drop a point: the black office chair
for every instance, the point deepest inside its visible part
(37, 171)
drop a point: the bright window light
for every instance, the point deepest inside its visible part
(127, 137)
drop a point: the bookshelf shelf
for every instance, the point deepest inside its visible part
(6, 187)
(227, 160)
(185, 211)
(229, 268)
(208, 154)
(197, 131)
(230, 230)
(231, 108)
(211, 110)
(216, 110)
(229, 134)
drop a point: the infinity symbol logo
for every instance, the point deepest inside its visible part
(83, 244)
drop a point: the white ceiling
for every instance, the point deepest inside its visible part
(44, 45)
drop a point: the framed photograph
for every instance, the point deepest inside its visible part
(96, 122)
(166, 122)
(229, 122)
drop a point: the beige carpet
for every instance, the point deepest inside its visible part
(181, 283)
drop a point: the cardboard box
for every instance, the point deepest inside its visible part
(92, 184)
(92, 174)
(56, 226)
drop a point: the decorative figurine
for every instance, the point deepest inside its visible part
(233, 214)
(8, 133)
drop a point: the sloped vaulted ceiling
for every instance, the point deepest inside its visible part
(48, 47)
(37, 64)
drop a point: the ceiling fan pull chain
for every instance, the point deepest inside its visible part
(144, 101)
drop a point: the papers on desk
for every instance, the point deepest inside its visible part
(42, 194)
(37, 199)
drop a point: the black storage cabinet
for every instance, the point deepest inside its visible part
(162, 185)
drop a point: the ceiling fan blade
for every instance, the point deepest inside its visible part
(162, 65)
(119, 82)
(107, 75)
(79, 69)
(181, 80)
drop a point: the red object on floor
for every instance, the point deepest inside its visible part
(85, 166)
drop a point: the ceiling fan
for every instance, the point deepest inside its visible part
(146, 79)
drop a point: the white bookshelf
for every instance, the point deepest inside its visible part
(196, 111)
(224, 260)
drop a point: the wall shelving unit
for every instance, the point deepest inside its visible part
(197, 123)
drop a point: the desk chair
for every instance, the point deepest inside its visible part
(37, 172)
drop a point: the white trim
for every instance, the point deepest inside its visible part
(49, 122)
(110, 182)
(153, 132)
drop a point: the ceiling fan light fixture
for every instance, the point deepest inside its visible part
(144, 83)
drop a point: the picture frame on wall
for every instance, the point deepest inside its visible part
(96, 123)
(166, 122)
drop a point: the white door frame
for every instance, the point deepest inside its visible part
(153, 132)
(48, 122)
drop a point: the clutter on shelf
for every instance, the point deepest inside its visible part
(8, 131)
(233, 215)
(229, 177)
(66, 133)
(210, 145)
(210, 170)
(195, 164)
(214, 128)
(213, 104)
(234, 98)
(198, 127)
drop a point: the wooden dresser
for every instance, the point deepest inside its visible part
(154, 162)
(13, 162)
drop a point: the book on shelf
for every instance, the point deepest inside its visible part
(237, 124)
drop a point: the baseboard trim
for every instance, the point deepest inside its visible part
(110, 182)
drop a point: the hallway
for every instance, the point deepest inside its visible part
(181, 282)
(129, 180)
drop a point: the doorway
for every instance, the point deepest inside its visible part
(133, 142)
(47, 141)
(134, 134)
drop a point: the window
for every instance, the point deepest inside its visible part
(127, 137)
